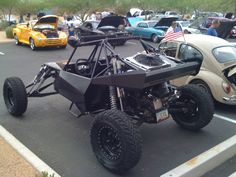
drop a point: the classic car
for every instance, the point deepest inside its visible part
(185, 27)
(203, 23)
(40, 33)
(217, 75)
(108, 27)
(151, 29)
(147, 30)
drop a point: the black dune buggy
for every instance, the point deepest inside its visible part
(122, 93)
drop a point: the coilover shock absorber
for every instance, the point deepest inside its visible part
(113, 98)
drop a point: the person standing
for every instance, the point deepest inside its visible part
(173, 28)
(212, 29)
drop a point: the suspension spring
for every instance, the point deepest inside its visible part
(113, 98)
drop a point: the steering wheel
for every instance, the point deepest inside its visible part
(83, 67)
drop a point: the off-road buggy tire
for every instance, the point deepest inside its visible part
(15, 96)
(200, 108)
(116, 141)
(202, 85)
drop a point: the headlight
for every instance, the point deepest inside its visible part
(39, 39)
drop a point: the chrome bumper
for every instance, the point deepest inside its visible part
(231, 99)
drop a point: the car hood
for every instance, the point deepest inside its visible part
(225, 27)
(134, 20)
(228, 65)
(48, 19)
(111, 21)
(232, 71)
(166, 21)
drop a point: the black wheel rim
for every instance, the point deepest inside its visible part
(189, 109)
(203, 87)
(10, 96)
(109, 143)
(154, 38)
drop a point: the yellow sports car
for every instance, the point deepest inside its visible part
(40, 33)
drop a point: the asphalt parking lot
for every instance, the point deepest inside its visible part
(62, 141)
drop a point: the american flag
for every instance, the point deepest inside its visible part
(174, 34)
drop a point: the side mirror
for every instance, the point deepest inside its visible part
(27, 25)
(73, 41)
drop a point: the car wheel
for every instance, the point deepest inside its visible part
(63, 47)
(17, 40)
(32, 44)
(203, 85)
(15, 96)
(116, 141)
(193, 109)
(154, 38)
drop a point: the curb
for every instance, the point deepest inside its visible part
(206, 161)
(27, 154)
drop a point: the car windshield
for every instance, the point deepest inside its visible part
(225, 54)
(172, 13)
(185, 23)
(95, 24)
(44, 26)
(152, 24)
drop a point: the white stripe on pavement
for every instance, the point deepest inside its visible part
(1, 53)
(225, 118)
(206, 161)
(132, 43)
(26, 153)
(233, 175)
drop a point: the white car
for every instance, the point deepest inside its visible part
(185, 26)
(144, 14)
(217, 74)
(74, 21)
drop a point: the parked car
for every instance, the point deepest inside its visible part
(217, 75)
(171, 14)
(147, 30)
(41, 33)
(144, 14)
(151, 29)
(108, 27)
(185, 26)
(74, 21)
(226, 25)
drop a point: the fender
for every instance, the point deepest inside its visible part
(213, 81)
(16, 31)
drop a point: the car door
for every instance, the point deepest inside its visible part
(142, 30)
(169, 48)
(25, 33)
(186, 52)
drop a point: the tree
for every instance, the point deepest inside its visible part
(7, 6)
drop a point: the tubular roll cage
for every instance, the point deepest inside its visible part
(36, 86)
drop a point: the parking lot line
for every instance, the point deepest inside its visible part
(26, 153)
(233, 175)
(225, 118)
(132, 43)
(206, 161)
(1, 53)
